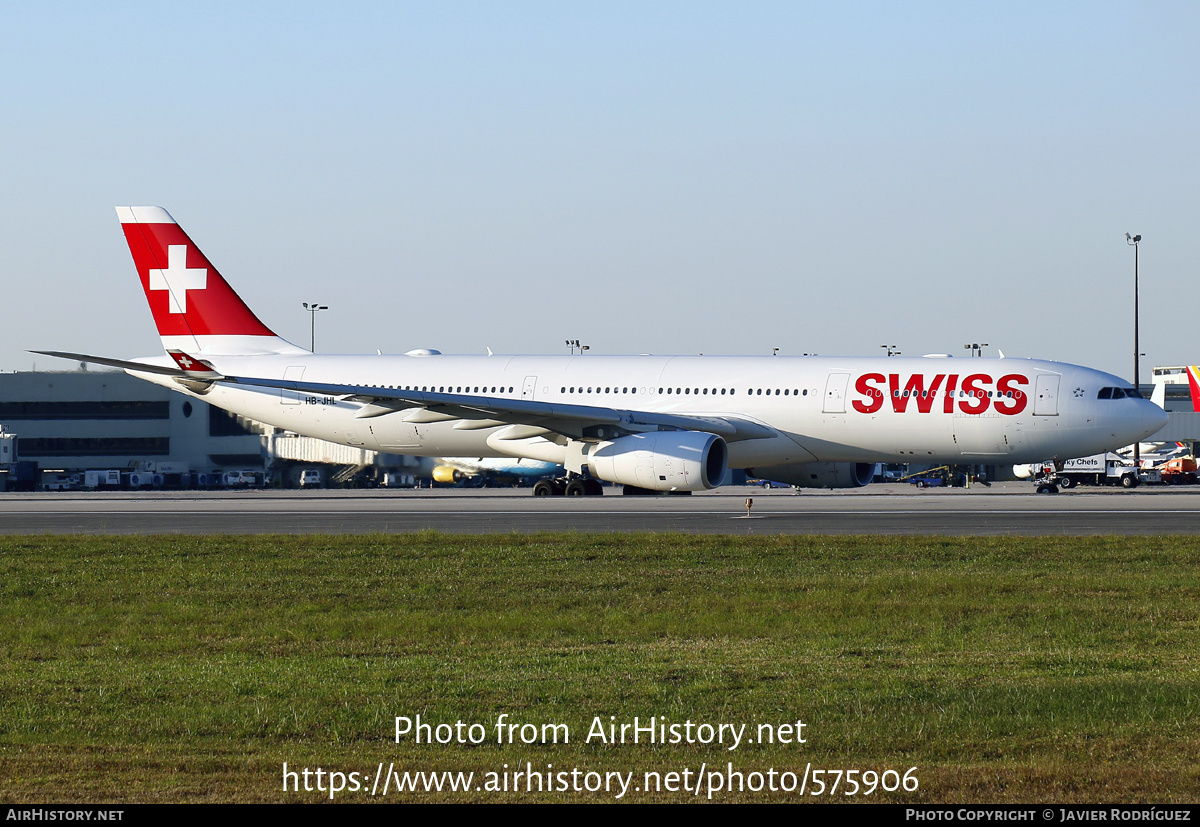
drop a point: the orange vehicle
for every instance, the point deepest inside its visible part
(1179, 471)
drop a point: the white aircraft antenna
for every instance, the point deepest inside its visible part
(489, 350)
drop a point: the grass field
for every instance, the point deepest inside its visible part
(1004, 669)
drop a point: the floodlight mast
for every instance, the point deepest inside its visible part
(1134, 241)
(312, 331)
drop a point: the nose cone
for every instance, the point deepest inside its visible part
(1113, 417)
(1150, 419)
(1134, 422)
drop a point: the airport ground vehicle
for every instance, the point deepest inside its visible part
(240, 479)
(1179, 471)
(14, 475)
(398, 479)
(952, 476)
(929, 478)
(1098, 469)
(102, 479)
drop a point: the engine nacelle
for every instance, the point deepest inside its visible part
(818, 474)
(662, 460)
(447, 474)
(1029, 470)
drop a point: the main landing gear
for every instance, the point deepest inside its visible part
(569, 487)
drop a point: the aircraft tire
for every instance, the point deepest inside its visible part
(594, 488)
(577, 488)
(543, 488)
(1047, 488)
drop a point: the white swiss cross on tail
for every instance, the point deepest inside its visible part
(177, 279)
(215, 321)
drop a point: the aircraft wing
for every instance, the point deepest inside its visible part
(489, 411)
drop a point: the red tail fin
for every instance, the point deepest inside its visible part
(1194, 383)
(194, 308)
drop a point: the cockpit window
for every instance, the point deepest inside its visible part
(1118, 393)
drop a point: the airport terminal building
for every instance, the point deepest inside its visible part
(91, 420)
(97, 420)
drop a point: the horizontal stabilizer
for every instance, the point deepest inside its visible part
(141, 367)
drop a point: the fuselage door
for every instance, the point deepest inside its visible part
(294, 373)
(1045, 399)
(528, 388)
(835, 392)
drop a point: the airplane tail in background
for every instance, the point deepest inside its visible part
(195, 309)
(1194, 383)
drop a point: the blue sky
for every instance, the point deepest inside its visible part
(647, 177)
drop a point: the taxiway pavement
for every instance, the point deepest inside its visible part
(1004, 508)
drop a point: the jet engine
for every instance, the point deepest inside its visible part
(1029, 470)
(818, 474)
(447, 474)
(662, 460)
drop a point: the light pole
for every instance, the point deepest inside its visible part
(312, 328)
(1133, 241)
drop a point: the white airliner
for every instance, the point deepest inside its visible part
(651, 423)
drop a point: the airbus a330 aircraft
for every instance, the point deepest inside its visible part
(651, 423)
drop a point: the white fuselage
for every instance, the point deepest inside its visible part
(824, 409)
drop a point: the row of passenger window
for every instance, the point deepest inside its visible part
(960, 393)
(1105, 393)
(689, 391)
(450, 388)
(610, 389)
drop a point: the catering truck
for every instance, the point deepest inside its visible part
(1098, 469)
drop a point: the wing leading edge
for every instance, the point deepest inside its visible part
(575, 421)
